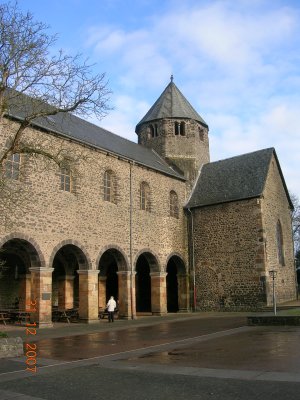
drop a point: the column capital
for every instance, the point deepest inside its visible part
(127, 273)
(88, 271)
(158, 274)
(41, 269)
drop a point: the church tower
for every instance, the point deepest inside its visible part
(177, 132)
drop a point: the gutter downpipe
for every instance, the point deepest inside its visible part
(193, 261)
(132, 277)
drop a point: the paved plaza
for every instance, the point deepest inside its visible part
(188, 356)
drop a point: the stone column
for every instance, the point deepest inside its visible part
(25, 291)
(183, 292)
(126, 295)
(158, 293)
(41, 293)
(69, 291)
(102, 292)
(88, 295)
(61, 293)
(66, 292)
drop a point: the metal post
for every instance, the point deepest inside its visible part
(273, 274)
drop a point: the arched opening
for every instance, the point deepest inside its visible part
(176, 282)
(17, 256)
(172, 287)
(143, 285)
(108, 277)
(65, 279)
(113, 281)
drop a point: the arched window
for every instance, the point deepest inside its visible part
(109, 186)
(151, 131)
(155, 130)
(12, 166)
(174, 209)
(177, 128)
(145, 196)
(279, 237)
(65, 178)
(201, 134)
(182, 129)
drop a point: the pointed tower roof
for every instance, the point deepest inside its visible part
(171, 104)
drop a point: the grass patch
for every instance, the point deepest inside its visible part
(3, 335)
(292, 311)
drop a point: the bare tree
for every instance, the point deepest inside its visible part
(296, 222)
(34, 83)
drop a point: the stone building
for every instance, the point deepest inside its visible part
(155, 223)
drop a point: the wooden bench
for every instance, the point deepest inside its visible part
(70, 315)
(4, 316)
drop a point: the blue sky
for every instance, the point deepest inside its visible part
(237, 62)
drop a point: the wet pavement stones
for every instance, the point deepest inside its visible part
(198, 356)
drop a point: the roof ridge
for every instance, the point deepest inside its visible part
(242, 155)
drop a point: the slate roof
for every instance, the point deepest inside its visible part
(75, 128)
(171, 104)
(236, 178)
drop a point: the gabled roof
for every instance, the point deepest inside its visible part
(171, 104)
(236, 178)
(75, 128)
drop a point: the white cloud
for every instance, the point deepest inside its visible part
(237, 63)
(120, 119)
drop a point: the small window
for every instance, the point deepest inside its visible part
(174, 209)
(177, 128)
(201, 134)
(12, 166)
(109, 184)
(280, 250)
(65, 179)
(151, 131)
(145, 196)
(182, 129)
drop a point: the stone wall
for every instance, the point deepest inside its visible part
(52, 217)
(187, 152)
(229, 261)
(275, 207)
(236, 247)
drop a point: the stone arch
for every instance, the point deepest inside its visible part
(114, 269)
(67, 259)
(21, 253)
(152, 259)
(147, 270)
(180, 261)
(176, 283)
(82, 256)
(119, 254)
(36, 256)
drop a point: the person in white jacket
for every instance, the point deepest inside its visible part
(111, 305)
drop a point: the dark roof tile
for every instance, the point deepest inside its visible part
(73, 127)
(235, 178)
(171, 104)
